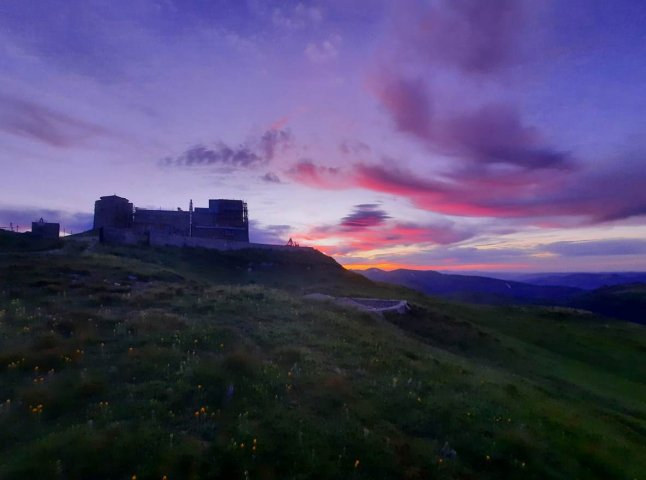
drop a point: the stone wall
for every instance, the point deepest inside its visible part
(126, 236)
(122, 236)
(45, 230)
(175, 222)
(161, 239)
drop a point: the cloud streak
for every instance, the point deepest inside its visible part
(253, 153)
(365, 215)
(45, 125)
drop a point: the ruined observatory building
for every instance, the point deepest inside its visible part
(222, 220)
(112, 212)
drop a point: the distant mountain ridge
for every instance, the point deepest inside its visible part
(621, 296)
(586, 281)
(474, 289)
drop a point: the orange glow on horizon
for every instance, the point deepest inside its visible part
(463, 267)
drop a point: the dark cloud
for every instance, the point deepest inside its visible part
(273, 142)
(492, 134)
(619, 246)
(365, 215)
(354, 147)
(74, 222)
(495, 133)
(270, 177)
(271, 234)
(474, 36)
(37, 122)
(254, 152)
(220, 154)
(409, 104)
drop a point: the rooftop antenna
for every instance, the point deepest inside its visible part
(190, 218)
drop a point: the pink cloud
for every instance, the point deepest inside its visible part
(306, 172)
(369, 228)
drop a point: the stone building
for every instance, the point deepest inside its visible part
(113, 212)
(222, 220)
(43, 229)
(174, 222)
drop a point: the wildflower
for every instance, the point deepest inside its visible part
(487, 457)
(356, 463)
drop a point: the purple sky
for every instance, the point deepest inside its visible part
(445, 134)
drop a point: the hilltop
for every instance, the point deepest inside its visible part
(189, 363)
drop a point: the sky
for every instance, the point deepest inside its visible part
(457, 135)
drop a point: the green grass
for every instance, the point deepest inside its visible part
(120, 361)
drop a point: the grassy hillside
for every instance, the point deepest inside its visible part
(122, 362)
(627, 302)
(20, 242)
